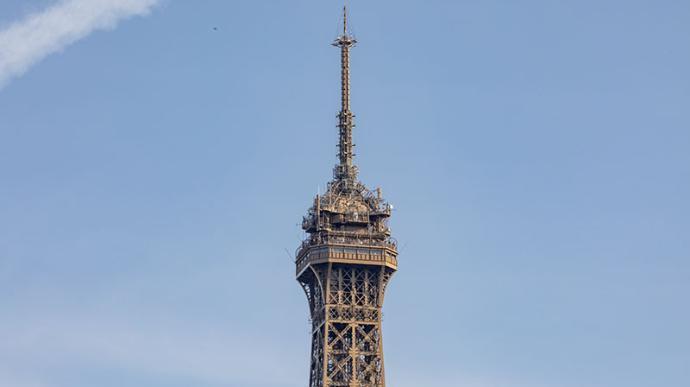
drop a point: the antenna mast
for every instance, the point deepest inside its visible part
(345, 170)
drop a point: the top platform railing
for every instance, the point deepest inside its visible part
(377, 252)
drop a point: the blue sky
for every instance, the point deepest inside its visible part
(153, 172)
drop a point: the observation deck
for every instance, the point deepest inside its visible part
(384, 254)
(347, 225)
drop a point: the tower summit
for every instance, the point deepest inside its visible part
(345, 264)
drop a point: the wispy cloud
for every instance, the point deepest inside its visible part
(28, 41)
(8, 378)
(162, 349)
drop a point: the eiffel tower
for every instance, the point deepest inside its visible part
(346, 262)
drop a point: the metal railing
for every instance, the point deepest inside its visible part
(346, 252)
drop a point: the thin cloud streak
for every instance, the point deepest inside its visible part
(28, 41)
(8, 378)
(207, 355)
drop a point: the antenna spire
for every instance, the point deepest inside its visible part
(346, 168)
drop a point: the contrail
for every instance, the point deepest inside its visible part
(28, 41)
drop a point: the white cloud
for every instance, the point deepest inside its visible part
(28, 41)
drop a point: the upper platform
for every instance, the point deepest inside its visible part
(348, 224)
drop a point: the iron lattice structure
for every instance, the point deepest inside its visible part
(345, 264)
